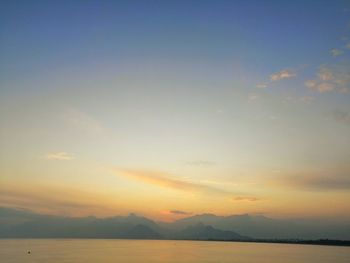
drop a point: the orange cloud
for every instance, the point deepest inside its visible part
(246, 198)
(165, 180)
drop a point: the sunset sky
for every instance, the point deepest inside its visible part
(173, 108)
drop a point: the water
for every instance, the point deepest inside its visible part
(144, 251)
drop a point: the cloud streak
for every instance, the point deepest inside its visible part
(246, 198)
(165, 180)
(179, 212)
(60, 156)
(316, 182)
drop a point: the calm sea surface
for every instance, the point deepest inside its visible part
(143, 251)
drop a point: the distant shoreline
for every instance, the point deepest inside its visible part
(321, 242)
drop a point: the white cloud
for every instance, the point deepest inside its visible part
(61, 156)
(336, 52)
(261, 85)
(283, 74)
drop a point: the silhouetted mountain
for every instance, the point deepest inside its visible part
(25, 224)
(259, 226)
(206, 232)
(21, 223)
(142, 232)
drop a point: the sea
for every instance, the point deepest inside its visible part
(153, 251)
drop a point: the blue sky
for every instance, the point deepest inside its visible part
(133, 100)
(41, 34)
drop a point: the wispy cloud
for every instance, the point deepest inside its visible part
(277, 76)
(246, 198)
(324, 87)
(324, 182)
(325, 73)
(166, 180)
(61, 156)
(83, 122)
(261, 85)
(179, 212)
(318, 182)
(283, 74)
(331, 78)
(336, 52)
(311, 84)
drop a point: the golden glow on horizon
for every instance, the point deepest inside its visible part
(162, 197)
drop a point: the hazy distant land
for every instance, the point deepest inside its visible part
(17, 223)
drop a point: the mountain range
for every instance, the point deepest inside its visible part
(19, 223)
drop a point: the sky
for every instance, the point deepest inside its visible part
(173, 108)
